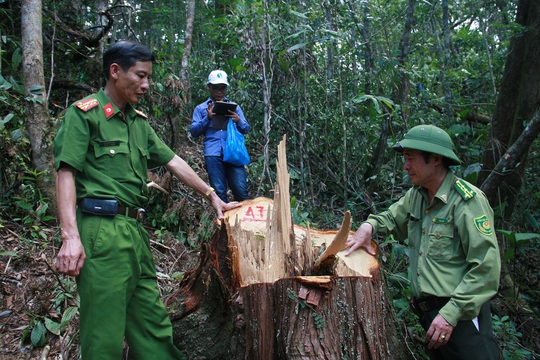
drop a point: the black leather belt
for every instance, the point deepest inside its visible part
(109, 208)
(137, 214)
(428, 303)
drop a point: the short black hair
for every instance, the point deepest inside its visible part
(446, 162)
(125, 53)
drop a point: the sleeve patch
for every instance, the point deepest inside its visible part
(464, 190)
(482, 225)
(87, 104)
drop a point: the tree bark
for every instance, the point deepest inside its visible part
(404, 88)
(259, 293)
(184, 71)
(510, 160)
(34, 82)
(519, 99)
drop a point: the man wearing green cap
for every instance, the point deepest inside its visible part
(453, 252)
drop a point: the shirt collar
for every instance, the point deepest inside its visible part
(446, 186)
(444, 190)
(225, 99)
(106, 103)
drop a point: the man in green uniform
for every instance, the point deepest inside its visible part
(454, 256)
(102, 153)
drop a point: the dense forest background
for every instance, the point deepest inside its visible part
(342, 79)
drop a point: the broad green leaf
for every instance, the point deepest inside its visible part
(38, 336)
(52, 326)
(16, 134)
(7, 118)
(69, 313)
(296, 47)
(300, 15)
(7, 253)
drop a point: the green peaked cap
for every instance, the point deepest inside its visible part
(429, 138)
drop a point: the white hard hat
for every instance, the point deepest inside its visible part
(218, 77)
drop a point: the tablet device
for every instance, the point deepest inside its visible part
(222, 107)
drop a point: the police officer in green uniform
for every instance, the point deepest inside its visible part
(102, 153)
(454, 256)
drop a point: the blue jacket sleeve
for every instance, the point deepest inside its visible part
(242, 126)
(199, 121)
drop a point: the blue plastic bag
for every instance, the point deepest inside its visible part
(235, 151)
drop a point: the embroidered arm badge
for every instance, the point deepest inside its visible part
(482, 225)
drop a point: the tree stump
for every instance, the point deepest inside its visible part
(265, 288)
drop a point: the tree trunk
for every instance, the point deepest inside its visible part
(368, 56)
(267, 57)
(259, 293)
(400, 96)
(511, 158)
(508, 162)
(404, 88)
(518, 100)
(448, 98)
(34, 82)
(184, 71)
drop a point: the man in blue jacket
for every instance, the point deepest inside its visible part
(214, 128)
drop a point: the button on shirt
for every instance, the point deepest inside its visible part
(111, 151)
(451, 255)
(214, 140)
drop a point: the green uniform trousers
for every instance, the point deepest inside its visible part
(118, 292)
(466, 342)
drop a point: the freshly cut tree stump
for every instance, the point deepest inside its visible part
(266, 288)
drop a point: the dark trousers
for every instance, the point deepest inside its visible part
(466, 342)
(222, 174)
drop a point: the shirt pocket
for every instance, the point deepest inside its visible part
(140, 165)
(112, 158)
(441, 241)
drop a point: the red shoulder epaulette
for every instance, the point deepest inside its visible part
(140, 113)
(87, 104)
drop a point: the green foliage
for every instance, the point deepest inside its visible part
(509, 337)
(39, 334)
(300, 216)
(57, 328)
(41, 326)
(312, 59)
(31, 204)
(11, 103)
(516, 242)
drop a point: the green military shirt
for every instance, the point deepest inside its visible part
(453, 248)
(111, 150)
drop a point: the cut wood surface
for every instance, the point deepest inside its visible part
(251, 226)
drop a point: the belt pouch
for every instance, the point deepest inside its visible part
(101, 207)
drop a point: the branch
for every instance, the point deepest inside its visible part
(470, 117)
(91, 41)
(510, 160)
(72, 85)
